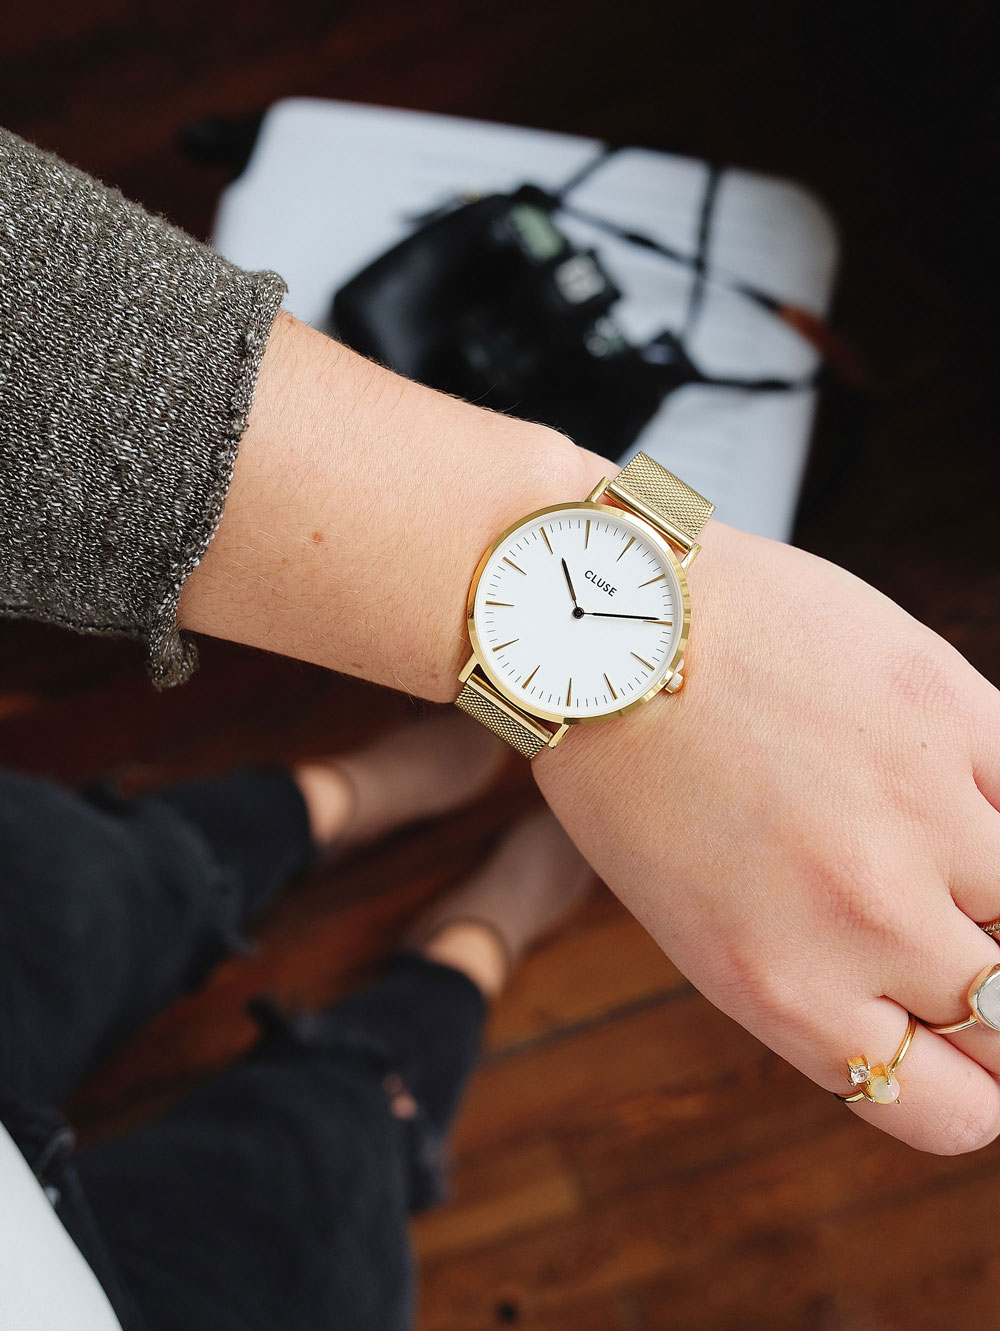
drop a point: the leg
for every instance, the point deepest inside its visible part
(277, 1198)
(109, 908)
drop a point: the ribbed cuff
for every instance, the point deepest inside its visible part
(129, 356)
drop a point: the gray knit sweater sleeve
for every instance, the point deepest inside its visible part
(128, 359)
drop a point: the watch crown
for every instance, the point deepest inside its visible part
(673, 682)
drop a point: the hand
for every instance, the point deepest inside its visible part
(834, 766)
(810, 828)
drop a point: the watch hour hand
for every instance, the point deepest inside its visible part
(572, 592)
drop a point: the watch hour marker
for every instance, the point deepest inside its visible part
(659, 578)
(643, 660)
(586, 538)
(531, 676)
(625, 551)
(506, 644)
(545, 538)
(509, 604)
(569, 692)
(610, 686)
(513, 565)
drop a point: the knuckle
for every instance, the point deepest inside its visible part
(857, 895)
(922, 680)
(756, 981)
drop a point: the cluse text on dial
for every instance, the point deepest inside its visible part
(598, 581)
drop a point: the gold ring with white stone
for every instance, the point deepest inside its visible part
(984, 1004)
(993, 928)
(877, 1084)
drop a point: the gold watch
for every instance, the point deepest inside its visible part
(580, 611)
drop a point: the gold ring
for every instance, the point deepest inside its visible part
(992, 928)
(984, 1004)
(878, 1084)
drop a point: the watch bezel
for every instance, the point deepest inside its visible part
(649, 533)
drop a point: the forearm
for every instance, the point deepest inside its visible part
(359, 506)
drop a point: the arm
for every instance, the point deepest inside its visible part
(806, 828)
(810, 827)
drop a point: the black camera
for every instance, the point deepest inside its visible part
(491, 301)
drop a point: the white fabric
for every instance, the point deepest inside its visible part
(45, 1285)
(331, 185)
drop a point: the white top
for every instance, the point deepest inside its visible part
(45, 1284)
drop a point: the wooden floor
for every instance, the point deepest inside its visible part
(629, 1160)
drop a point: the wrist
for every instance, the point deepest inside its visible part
(524, 468)
(541, 467)
(359, 507)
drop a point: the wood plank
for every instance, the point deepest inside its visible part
(669, 1134)
(497, 1193)
(551, 1271)
(902, 1263)
(596, 965)
(928, 1257)
(654, 1232)
(241, 706)
(778, 1279)
(615, 1314)
(602, 1063)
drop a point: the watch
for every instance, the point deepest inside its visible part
(580, 611)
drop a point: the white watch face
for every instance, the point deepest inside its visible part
(578, 612)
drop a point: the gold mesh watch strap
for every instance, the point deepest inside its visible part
(521, 733)
(660, 491)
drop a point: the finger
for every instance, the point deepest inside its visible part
(979, 1042)
(948, 1103)
(986, 751)
(974, 869)
(931, 978)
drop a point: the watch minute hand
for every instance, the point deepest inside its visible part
(608, 614)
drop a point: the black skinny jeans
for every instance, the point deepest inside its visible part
(276, 1198)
